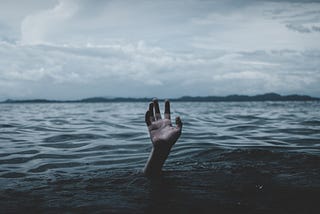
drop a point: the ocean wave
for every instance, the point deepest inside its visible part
(91, 155)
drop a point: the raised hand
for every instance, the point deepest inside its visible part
(161, 131)
(163, 136)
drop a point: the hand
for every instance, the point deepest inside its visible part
(163, 136)
(161, 131)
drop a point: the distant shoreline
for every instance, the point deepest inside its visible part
(229, 98)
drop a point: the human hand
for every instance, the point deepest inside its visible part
(161, 131)
(163, 136)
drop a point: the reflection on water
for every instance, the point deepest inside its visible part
(249, 156)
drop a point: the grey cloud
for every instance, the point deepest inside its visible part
(142, 70)
(316, 28)
(75, 49)
(298, 28)
(295, 1)
(302, 29)
(297, 17)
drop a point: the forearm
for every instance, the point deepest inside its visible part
(156, 160)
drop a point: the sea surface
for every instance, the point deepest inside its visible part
(232, 157)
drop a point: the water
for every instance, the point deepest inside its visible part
(250, 157)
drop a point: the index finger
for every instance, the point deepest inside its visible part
(156, 109)
(167, 109)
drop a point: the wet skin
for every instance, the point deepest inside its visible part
(163, 136)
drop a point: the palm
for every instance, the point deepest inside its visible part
(161, 131)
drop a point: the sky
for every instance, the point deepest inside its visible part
(72, 49)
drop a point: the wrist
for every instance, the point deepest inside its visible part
(156, 160)
(162, 147)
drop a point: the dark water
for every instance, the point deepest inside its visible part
(251, 157)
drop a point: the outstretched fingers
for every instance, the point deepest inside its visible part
(151, 112)
(167, 109)
(156, 109)
(147, 118)
(179, 123)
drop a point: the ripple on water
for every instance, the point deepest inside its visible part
(19, 160)
(71, 137)
(7, 126)
(13, 175)
(300, 131)
(311, 122)
(47, 166)
(128, 135)
(242, 128)
(64, 145)
(77, 155)
(35, 137)
(59, 121)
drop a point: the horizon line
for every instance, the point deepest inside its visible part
(122, 98)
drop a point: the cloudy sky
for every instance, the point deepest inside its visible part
(70, 49)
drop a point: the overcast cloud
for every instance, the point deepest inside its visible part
(72, 49)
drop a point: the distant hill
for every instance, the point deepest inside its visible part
(116, 99)
(245, 98)
(31, 101)
(229, 98)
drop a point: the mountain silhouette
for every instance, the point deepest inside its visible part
(229, 98)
